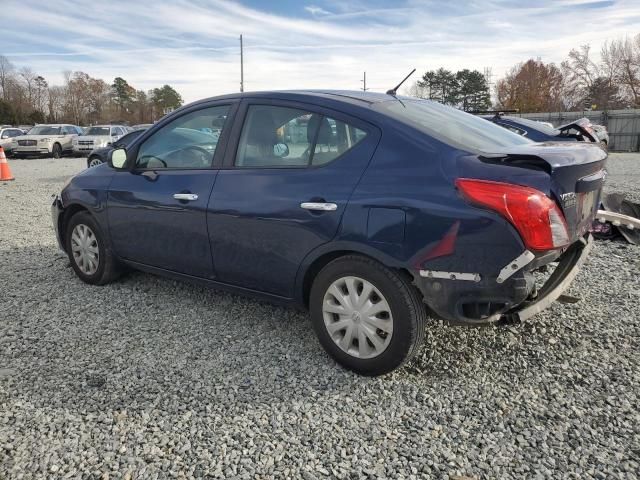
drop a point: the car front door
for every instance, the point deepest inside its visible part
(283, 190)
(157, 210)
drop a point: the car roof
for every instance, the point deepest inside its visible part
(347, 96)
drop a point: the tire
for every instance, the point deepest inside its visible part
(107, 268)
(56, 151)
(397, 333)
(94, 161)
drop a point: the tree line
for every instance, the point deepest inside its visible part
(27, 98)
(464, 89)
(580, 82)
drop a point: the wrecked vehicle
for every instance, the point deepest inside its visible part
(581, 130)
(374, 211)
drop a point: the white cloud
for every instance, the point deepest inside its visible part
(194, 44)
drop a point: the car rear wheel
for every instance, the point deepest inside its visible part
(88, 252)
(368, 317)
(94, 162)
(56, 151)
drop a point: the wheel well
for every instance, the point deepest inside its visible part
(69, 212)
(320, 262)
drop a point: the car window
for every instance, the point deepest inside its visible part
(128, 138)
(184, 142)
(451, 125)
(513, 129)
(541, 127)
(288, 137)
(16, 133)
(97, 131)
(333, 139)
(6, 134)
(275, 137)
(44, 130)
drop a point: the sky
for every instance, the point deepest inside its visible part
(193, 45)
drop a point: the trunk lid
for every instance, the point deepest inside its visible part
(583, 127)
(572, 174)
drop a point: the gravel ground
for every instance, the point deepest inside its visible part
(151, 378)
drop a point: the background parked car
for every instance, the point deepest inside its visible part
(97, 136)
(142, 126)
(49, 139)
(602, 133)
(99, 155)
(580, 130)
(7, 134)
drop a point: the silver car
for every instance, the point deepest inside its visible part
(50, 139)
(7, 134)
(98, 136)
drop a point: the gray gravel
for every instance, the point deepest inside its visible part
(151, 378)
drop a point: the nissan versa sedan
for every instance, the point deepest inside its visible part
(373, 211)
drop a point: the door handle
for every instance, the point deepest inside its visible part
(185, 196)
(320, 206)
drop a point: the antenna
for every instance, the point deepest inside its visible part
(394, 90)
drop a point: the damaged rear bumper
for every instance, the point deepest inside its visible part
(472, 299)
(567, 269)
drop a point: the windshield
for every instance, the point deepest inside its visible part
(541, 127)
(44, 130)
(97, 131)
(450, 125)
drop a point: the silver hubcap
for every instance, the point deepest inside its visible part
(95, 162)
(357, 317)
(84, 246)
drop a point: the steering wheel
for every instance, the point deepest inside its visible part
(203, 154)
(151, 162)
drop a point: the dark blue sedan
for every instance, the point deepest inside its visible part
(373, 211)
(580, 130)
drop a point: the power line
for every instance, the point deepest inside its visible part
(241, 66)
(364, 82)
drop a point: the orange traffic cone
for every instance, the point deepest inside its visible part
(5, 171)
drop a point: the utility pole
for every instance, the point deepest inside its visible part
(364, 82)
(241, 66)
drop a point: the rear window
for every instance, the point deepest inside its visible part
(541, 127)
(450, 125)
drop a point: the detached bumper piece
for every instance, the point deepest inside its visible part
(556, 284)
(56, 210)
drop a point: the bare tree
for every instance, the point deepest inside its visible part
(6, 72)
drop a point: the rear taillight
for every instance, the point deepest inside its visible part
(536, 217)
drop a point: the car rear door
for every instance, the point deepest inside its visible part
(157, 211)
(283, 190)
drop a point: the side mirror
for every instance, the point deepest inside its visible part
(281, 150)
(117, 158)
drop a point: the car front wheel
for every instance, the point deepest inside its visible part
(368, 317)
(56, 151)
(88, 252)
